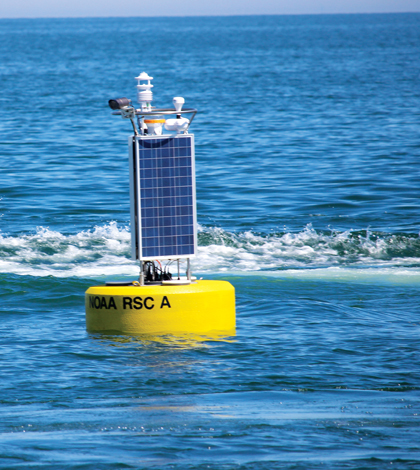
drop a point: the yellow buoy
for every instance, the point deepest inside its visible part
(163, 216)
(199, 307)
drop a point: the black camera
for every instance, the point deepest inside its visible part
(119, 103)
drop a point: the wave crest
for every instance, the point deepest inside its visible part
(105, 251)
(309, 248)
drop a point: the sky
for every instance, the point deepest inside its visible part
(107, 8)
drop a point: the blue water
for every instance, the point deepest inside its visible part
(308, 146)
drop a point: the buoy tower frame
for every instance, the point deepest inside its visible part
(163, 230)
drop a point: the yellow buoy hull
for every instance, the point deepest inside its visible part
(200, 307)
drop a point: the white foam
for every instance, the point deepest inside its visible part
(252, 252)
(105, 251)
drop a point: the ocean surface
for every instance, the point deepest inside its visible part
(308, 176)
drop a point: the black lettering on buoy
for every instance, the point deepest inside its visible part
(165, 302)
(137, 303)
(127, 301)
(149, 307)
(100, 302)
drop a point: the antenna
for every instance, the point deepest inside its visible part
(178, 102)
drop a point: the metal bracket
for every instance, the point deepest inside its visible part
(130, 113)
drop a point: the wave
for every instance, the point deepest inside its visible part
(310, 248)
(105, 251)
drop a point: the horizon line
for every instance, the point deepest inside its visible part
(205, 16)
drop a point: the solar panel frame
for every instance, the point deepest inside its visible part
(163, 197)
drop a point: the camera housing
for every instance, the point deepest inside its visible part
(119, 103)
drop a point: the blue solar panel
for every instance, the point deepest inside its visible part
(166, 191)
